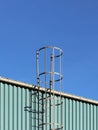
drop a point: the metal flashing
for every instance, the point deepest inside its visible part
(26, 85)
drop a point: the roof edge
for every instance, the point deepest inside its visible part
(26, 85)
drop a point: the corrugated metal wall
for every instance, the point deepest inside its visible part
(77, 115)
(12, 103)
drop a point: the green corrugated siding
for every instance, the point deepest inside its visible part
(77, 115)
(12, 102)
(80, 115)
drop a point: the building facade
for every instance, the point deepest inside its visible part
(78, 113)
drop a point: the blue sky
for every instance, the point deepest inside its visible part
(71, 25)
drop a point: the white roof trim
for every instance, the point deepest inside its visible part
(6, 80)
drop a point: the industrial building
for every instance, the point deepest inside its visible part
(44, 106)
(78, 113)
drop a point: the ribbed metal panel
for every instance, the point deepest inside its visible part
(77, 115)
(12, 102)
